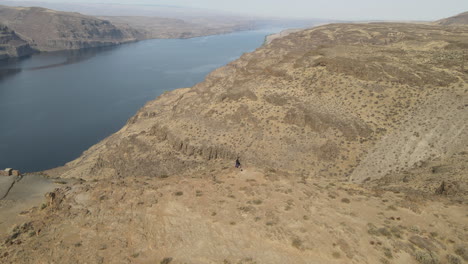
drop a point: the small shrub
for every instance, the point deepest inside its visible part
(166, 261)
(414, 229)
(424, 257)
(336, 254)
(60, 182)
(451, 259)
(179, 193)
(257, 202)
(396, 231)
(462, 252)
(388, 253)
(384, 232)
(247, 209)
(384, 261)
(297, 243)
(345, 200)
(372, 229)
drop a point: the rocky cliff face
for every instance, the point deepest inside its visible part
(49, 30)
(12, 45)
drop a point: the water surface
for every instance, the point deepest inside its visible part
(53, 106)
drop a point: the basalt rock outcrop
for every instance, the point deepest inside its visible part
(12, 45)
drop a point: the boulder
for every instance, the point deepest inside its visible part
(8, 171)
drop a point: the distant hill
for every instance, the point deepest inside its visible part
(163, 28)
(460, 19)
(12, 45)
(49, 30)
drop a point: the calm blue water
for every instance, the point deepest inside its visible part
(54, 106)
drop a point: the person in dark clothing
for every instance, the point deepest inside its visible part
(238, 165)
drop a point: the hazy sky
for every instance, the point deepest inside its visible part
(333, 9)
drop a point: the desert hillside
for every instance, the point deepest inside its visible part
(162, 28)
(460, 19)
(354, 145)
(319, 102)
(49, 30)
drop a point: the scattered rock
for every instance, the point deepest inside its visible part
(166, 261)
(441, 190)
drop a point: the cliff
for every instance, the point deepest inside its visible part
(12, 45)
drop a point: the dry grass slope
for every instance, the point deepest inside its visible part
(315, 102)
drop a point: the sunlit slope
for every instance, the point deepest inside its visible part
(315, 102)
